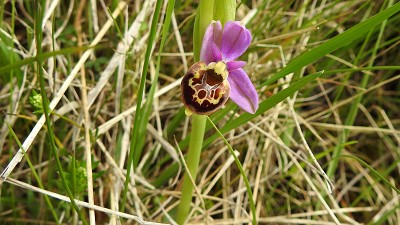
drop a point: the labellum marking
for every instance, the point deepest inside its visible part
(204, 88)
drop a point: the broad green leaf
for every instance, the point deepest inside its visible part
(265, 105)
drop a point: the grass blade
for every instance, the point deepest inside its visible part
(265, 105)
(335, 43)
(134, 154)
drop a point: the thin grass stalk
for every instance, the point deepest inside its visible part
(88, 148)
(134, 153)
(148, 107)
(60, 93)
(46, 55)
(38, 35)
(1, 12)
(85, 109)
(340, 89)
(242, 173)
(12, 58)
(35, 174)
(333, 44)
(355, 105)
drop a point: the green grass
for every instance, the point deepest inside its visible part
(335, 94)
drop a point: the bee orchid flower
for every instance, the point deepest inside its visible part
(208, 84)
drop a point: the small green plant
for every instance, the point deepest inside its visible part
(76, 177)
(37, 102)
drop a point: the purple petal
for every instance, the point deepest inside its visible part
(233, 65)
(243, 92)
(235, 40)
(210, 48)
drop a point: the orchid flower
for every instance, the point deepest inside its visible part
(208, 84)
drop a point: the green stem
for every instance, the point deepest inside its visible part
(193, 159)
(204, 16)
(134, 153)
(38, 14)
(225, 10)
(35, 174)
(208, 10)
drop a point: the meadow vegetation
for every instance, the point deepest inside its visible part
(323, 148)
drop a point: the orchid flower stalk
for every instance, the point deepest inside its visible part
(209, 83)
